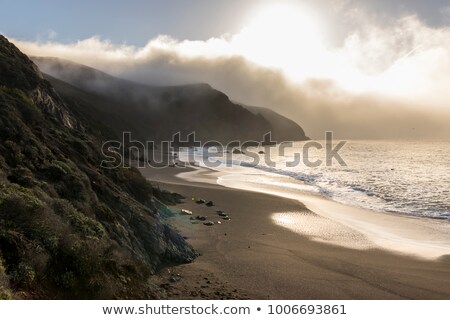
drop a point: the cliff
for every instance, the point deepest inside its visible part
(68, 228)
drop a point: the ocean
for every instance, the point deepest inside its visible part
(400, 177)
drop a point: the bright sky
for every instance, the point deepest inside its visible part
(335, 54)
(137, 21)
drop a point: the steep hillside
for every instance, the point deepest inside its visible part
(68, 228)
(283, 129)
(199, 108)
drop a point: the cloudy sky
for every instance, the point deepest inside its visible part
(364, 69)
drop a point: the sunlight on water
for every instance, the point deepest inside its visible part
(407, 177)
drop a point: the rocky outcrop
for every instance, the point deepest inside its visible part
(19, 72)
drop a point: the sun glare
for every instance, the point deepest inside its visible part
(285, 37)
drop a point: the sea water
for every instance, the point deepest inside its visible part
(403, 177)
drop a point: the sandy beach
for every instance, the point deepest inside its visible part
(251, 256)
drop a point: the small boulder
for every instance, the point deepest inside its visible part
(175, 278)
(208, 223)
(186, 212)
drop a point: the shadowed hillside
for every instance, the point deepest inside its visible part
(283, 129)
(141, 109)
(68, 228)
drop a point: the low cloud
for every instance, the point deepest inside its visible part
(379, 82)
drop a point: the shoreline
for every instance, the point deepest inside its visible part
(253, 257)
(423, 237)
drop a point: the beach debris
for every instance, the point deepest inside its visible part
(175, 278)
(187, 212)
(201, 218)
(208, 223)
(200, 201)
(210, 204)
(218, 222)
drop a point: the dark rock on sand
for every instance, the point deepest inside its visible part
(175, 278)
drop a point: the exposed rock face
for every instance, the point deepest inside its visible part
(68, 228)
(21, 73)
(46, 101)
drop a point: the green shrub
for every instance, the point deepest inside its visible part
(13, 153)
(18, 94)
(5, 292)
(23, 275)
(104, 213)
(55, 171)
(134, 183)
(65, 166)
(67, 280)
(19, 201)
(82, 224)
(73, 184)
(23, 177)
(31, 151)
(166, 197)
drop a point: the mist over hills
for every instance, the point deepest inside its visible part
(70, 228)
(282, 127)
(141, 109)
